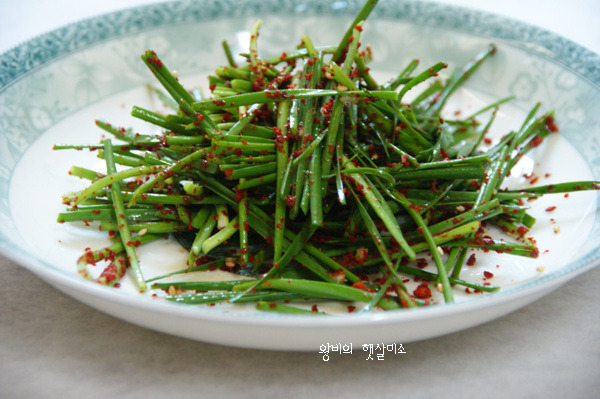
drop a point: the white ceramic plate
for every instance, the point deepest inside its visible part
(53, 87)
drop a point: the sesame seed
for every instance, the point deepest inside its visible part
(230, 262)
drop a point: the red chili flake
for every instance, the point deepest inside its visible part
(415, 207)
(307, 138)
(550, 208)
(536, 141)
(567, 195)
(550, 125)
(361, 286)
(471, 261)
(422, 263)
(239, 195)
(272, 305)
(225, 118)
(212, 266)
(358, 28)
(275, 94)
(154, 60)
(351, 308)
(475, 183)
(348, 260)
(290, 201)
(314, 308)
(522, 230)
(327, 107)
(199, 118)
(422, 291)
(110, 273)
(487, 274)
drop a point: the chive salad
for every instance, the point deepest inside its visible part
(311, 181)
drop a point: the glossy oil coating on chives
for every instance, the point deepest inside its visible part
(308, 180)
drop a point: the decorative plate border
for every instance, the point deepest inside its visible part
(28, 56)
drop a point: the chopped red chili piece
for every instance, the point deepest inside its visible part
(422, 291)
(471, 261)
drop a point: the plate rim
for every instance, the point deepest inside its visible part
(571, 55)
(55, 277)
(47, 54)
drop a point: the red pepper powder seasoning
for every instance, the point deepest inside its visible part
(471, 261)
(361, 286)
(422, 263)
(422, 291)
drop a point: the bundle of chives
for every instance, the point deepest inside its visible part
(313, 164)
